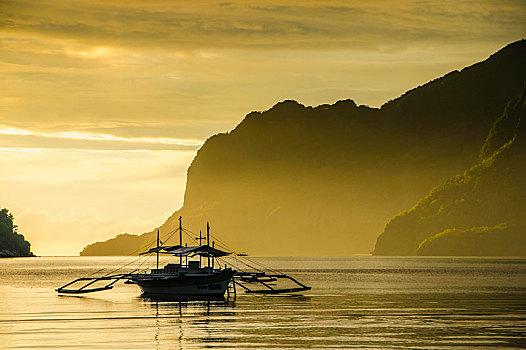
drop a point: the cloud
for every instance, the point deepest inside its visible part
(16, 138)
(132, 131)
(86, 167)
(263, 25)
(66, 233)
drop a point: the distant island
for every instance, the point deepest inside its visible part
(299, 180)
(12, 244)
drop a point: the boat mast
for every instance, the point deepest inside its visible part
(157, 252)
(180, 239)
(200, 257)
(208, 242)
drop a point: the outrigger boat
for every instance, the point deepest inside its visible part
(200, 277)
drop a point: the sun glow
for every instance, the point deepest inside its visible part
(95, 52)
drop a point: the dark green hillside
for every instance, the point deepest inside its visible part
(296, 180)
(12, 244)
(499, 240)
(478, 213)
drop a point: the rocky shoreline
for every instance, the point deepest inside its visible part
(6, 253)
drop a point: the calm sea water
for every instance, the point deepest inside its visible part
(355, 302)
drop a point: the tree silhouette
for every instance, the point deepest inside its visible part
(11, 242)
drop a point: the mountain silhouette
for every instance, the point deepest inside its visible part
(299, 180)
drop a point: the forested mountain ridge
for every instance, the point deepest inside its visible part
(294, 179)
(480, 212)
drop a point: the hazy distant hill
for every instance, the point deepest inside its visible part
(481, 212)
(324, 180)
(12, 244)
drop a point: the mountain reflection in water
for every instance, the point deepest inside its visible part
(356, 302)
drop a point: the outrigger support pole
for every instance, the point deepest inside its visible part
(247, 280)
(91, 280)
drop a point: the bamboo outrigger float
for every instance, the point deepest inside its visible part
(192, 278)
(244, 279)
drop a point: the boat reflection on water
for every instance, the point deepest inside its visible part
(176, 318)
(198, 302)
(229, 300)
(184, 299)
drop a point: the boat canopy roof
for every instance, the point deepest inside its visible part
(162, 249)
(203, 250)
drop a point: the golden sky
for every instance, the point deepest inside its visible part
(104, 103)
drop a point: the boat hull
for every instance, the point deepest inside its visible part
(213, 285)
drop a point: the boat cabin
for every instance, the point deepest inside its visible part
(193, 267)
